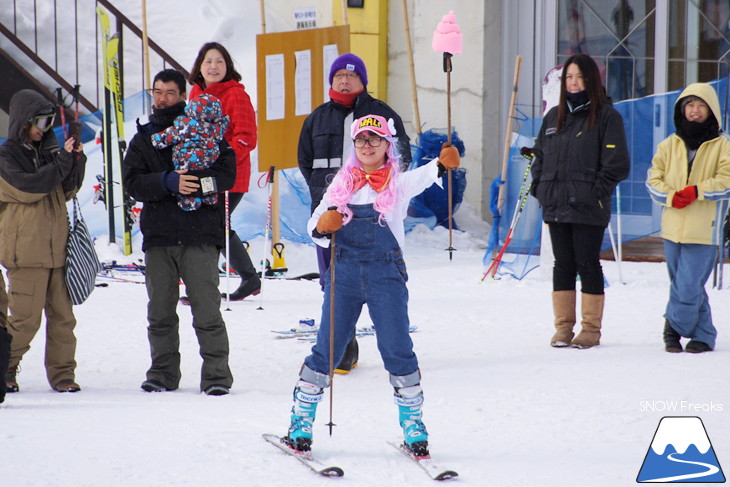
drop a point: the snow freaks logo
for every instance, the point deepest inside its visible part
(680, 452)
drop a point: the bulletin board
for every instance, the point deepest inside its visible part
(291, 83)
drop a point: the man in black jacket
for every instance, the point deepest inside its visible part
(179, 244)
(322, 142)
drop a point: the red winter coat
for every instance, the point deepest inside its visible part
(241, 134)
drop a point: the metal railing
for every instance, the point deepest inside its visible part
(51, 40)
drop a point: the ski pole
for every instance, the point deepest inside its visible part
(448, 39)
(492, 270)
(722, 242)
(269, 179)
(449, 185)
(619, 232)
(228, 255)
(616, 256)
(332, 330)
(527, 153)
(62, 110)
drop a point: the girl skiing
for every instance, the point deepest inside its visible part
(364, 208)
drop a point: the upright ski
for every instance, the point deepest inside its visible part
(108, 187)
(114, 110)
(305, 457)
(426, 464)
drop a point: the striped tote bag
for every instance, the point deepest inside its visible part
(82, 263)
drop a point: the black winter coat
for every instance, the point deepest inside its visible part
(163, 222)
(575, 171)
(323, 136)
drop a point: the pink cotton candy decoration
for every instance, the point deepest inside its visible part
(447, 37)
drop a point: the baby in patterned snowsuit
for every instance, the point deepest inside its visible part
(196, 136)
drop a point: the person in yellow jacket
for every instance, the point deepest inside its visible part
(690, 178)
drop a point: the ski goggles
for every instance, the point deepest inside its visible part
(43, 122)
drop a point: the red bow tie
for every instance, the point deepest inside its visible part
(377, 180)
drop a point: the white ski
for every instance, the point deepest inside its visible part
(434, 471)
(305, 457)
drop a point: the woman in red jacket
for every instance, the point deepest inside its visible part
(214, 73)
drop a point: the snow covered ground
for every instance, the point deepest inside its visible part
(503, 408)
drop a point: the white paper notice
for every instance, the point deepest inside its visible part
(303, 82)
(329, 54)
(275, 87)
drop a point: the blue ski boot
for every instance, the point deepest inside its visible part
(409, 401)
(306, 398)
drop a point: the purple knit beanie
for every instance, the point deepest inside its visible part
(351, 62)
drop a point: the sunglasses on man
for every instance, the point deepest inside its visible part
(43, 122)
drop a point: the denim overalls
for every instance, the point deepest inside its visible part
(369, 269)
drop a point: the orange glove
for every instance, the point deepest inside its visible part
(684, 197)
(329, 222)
(449, 156)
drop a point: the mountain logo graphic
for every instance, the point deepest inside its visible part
(680, 452)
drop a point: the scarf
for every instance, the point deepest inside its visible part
(577, 100)
(344, 99)
(377, 180)
(164, 117)
(695, 133)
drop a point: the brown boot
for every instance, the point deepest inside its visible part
(592, 311)
(564, 311)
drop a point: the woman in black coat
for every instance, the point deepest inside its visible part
(580, 157)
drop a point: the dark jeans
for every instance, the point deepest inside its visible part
(576, 248)
(197, 266)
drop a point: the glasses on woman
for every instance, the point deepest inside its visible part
(372, 142)
(43, 122)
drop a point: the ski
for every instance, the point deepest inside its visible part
(310, 331)
(106, 138)
(305, 457)
(365, 331)
(117, 279)
(114, 110)
(434, 471)
(113, 265)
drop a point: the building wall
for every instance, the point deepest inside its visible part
(481, 80)
(475, 89)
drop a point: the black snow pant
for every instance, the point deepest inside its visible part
(197, 266)
(577, 249)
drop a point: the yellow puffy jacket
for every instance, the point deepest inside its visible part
(701, 221)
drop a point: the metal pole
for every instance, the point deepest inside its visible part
(228, 255)
(332, 330)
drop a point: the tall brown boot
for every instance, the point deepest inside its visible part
(564, 311)
(592, 311)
